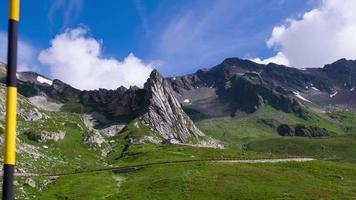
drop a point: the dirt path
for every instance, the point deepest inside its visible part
(133, 168)
(268, 160)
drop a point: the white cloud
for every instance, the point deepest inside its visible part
(26, 58)
(322, 35)
(280, 58)
(76, 59)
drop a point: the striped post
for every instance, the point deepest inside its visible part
(11, 98)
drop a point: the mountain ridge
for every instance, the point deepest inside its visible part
(225, 90)
(239, 109)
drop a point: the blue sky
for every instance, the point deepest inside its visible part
(177, 37)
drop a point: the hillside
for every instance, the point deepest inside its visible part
(238, 109)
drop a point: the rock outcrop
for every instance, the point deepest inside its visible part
(250, 92)
(285, 130)
(303, 131)
(163, 113)
(311, 131)
(45, 136)
(119, 102)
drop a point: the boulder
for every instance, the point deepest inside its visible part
(311, 131)
(45, 136)
(30, 182)
(285, 130)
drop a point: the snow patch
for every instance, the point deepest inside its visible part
(136, 125)
(297, 94)
(316, 89)
(254, 72)
(174, 78)
(352, 89)
(334, 94)
(44, 80)
(174, 141)
(186, 101)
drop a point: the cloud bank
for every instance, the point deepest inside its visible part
(280, 58)
(76, 58)
(26, 54)
(322, 35)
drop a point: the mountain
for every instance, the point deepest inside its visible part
(162, 111)
(234, 87)
(328, 88)
(155, 106)
(239, 109)
(249, 92)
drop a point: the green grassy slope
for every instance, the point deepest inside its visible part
(257, 132)
(315, 180)
(238, 131)
(65, 155)
(246, 137)
(132, 153)
(339, 148)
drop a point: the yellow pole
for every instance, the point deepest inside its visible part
(11, 98)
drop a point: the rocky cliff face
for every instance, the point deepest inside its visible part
(249, 92)
(329, 88)
(231, 88)
(119, 102)
(163, 112)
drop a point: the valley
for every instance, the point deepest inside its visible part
(174, 131)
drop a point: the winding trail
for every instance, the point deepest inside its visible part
(127, 169)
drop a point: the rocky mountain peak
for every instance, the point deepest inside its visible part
(163, 112)
(342, 71)
(155, 74)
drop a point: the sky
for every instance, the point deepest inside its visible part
(96, 44)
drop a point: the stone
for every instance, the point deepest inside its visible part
(285, 130)
(311, 131)
(30, 182)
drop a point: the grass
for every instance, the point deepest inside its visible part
(339, 148)
(99, 185)
(238, 131)
(125, 153)
(75, 106)
(65, 155)
(247, 137)
(346, 120)
(150, 153)
(208, 180)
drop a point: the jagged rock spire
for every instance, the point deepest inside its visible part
(163, 112)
